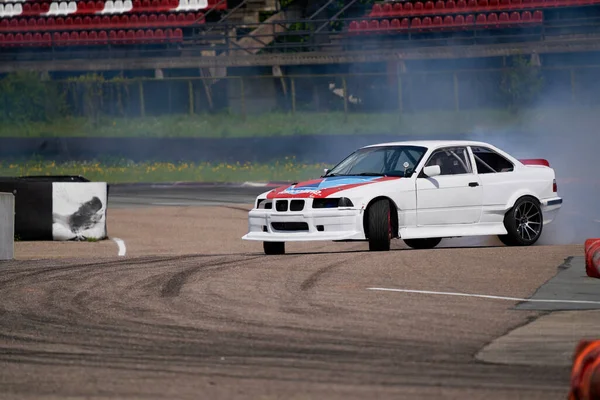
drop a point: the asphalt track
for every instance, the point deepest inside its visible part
(241, 325)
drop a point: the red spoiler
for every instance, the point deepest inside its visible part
(535, 161)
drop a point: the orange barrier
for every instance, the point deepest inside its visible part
(592, 258)
(585, 374)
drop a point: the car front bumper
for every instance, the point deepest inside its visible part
(328, 224)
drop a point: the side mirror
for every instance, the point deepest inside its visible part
(432, 170)
(325, 171)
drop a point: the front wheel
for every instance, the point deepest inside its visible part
(380, 226)
(422, 244)
(274, 248)
(524, 223)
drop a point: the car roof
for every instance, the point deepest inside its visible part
(432, 143)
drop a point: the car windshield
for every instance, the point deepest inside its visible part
(380, 161)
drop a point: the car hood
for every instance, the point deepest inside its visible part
(324, 187)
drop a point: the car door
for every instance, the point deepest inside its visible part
(498, 177)
(453, 197)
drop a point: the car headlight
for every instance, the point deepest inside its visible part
(332, 202)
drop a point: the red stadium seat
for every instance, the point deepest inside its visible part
(437, 21)
(405, 23)
(526, 16)
(353, 26)
(419, 6)
(470, 19)
(74, 38)
(162, 20)
(429, 5)
(134, 20)
(84, 39)
(481, 19)
(102, 38)
(139, 36)
(538, 16)
(397, 9)
(494, 4)
(395, 25)
(159, 36)
(515, 3)
(155, 5)
(143, 20)
(152, 20)
(19, 39)
(65, 38)
(37, 39)
(483, 4)
(373, 25)
(415, 23)
(364, 26)
(408, 7)
(173, 4)
(493, 20)
(26, 8)
(149, 36)
(13, 23)
(426, 23)
(472, 4)
(60, 22)
(69, 22)
(28, 39)
(165, 5)
(384, 25)
(387, 9)
(515, 17)
(93, 38)
(178, 33)
(448, 20)
(3, 24)
(136, 5)
(129, 37)
(377, 11)
(459, 20)
(115, 21)
(450, 4)
(504, 18)
(440, 5)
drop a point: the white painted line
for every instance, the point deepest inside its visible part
(486, 296)
(255, 184)
(121, 244)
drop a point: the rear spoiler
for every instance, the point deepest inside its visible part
(535, 161)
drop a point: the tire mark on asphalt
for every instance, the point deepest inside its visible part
(173, 286)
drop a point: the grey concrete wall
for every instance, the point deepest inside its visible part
(7, 226)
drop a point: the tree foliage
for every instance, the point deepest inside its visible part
(521, 84)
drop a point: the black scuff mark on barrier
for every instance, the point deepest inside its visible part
(86, 216)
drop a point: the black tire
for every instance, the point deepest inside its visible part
(422, 244)
(524, 223)
(274, 248)
(380, 226)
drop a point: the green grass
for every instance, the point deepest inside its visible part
(282, 124)
(125, 172)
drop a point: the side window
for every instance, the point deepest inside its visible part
(490, 162)
(452, 160)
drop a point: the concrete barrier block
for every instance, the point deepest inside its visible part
(7, 226)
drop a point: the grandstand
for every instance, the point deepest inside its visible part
(32, 29)
(216, 39)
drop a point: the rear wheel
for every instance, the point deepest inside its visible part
(524, 223)
(420, 244)
(273, 248)
(380, 226)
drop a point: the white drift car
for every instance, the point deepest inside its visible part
(419, 191)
